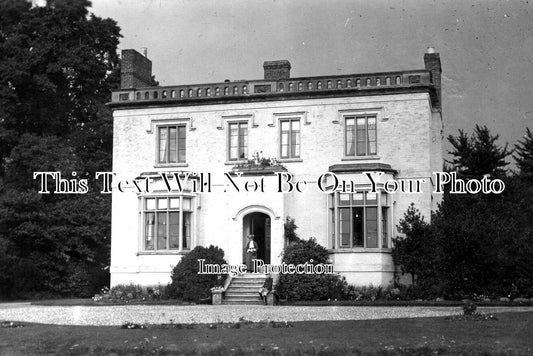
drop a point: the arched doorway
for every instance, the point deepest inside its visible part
(257, 224)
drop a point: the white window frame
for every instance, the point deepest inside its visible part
(143, 211)
(290, 144)
(228, 140)
(154, 129)
(376, 112)
(384, 200)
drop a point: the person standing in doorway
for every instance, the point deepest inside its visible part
(251, 253)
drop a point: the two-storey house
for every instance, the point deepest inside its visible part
(386, 124)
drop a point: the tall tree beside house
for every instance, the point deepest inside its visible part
(415, 251)
(479, 154)
(524, 156)
(57, 66)
(484, 240)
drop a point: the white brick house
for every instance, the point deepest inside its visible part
(386, 122)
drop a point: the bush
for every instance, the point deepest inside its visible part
(309, 286)
(125, 292)
(187, 284)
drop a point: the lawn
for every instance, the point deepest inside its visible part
(511, 334)
(385, 303)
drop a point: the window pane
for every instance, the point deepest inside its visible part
(182, 143)
(371, 227)
(371, 198)
(242, 152)
(295, 125)
(284, 151)
(285, 125)
(295, 142)
(285, 138)
(371, 131)
(162, 203)
(243, 132)
(332, 227)
(357, 198)
(350, 137)
(361, 149)
(384, 228)
(358, 228)
(174, 230)
(150, 204)
(384, 199)
(344, 199)
(186, 204)
(149, 226)
(162, 144)
(161, 231)
(344, 223)
(186, 231)
(172, 145)
(360, 136)
(174, 203)
(233, 153)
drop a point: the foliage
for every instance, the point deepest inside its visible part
(524, 156)
(309, 286)
(58, 64)
(290, 230)
(477, 244)
(259, 161)
(414, 252)
(187, 284)
(126, 292)
(469, 308)
(305, 251)
(477, 155)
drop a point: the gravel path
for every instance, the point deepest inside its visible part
(158, 314)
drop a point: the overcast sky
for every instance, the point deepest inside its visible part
(486, 47)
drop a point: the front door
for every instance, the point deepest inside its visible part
(257, 224)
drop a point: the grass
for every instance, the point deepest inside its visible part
(509, 335)
(386, 303)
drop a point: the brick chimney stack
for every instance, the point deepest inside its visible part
(432, 63)
(275, 70)
(135, 70)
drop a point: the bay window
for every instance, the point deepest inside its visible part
(359, 220)
(167, 223)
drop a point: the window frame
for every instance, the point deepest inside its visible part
(290, 144)
(383, 221)
(168, 126)
(181, 210)
(228, 145)
(367, 144)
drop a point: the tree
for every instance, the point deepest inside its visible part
(477, 155)
(415, 252)
(58, 64)
(524, 156)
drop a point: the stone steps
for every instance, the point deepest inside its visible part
(244, 290)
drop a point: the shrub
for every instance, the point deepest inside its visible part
(126, 292)
(187, 284)
(309, 286)
(469, 308)
(290, 230)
